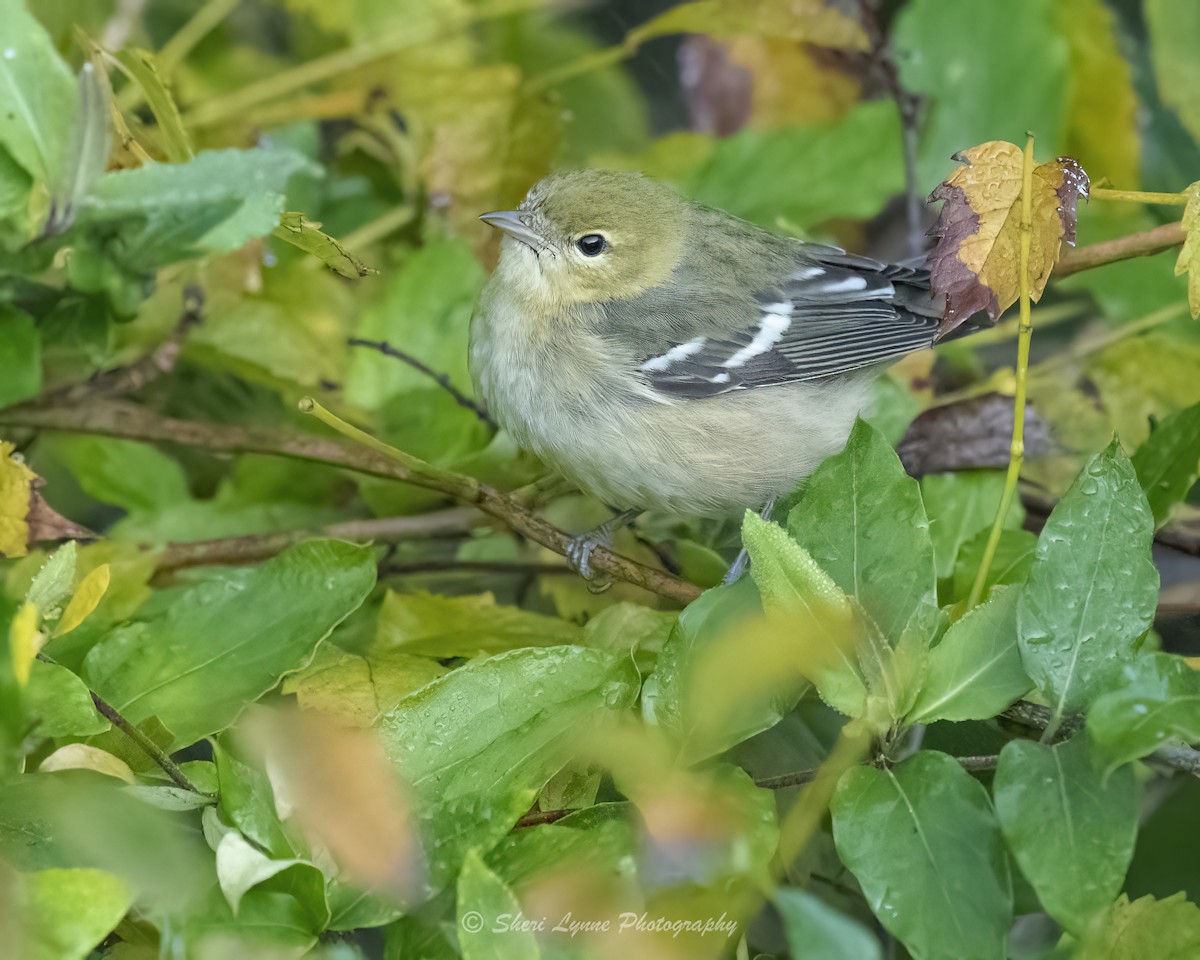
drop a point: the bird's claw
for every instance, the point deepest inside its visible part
(737, 568)
(579, 555)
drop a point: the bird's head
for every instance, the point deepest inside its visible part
(591, 235)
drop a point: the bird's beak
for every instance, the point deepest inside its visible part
(511, 223)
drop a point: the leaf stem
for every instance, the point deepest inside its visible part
(1024, 337)
(1138, 196)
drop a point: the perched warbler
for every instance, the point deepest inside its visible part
(668, 356)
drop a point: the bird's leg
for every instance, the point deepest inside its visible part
(734, 573)
(579, 549)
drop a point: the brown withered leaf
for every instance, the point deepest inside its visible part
(1189, 255)
(25, 518)
(968, 435)
(976, 264)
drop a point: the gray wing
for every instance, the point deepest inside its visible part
(832, 314)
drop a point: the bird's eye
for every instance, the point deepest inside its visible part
(591, 244)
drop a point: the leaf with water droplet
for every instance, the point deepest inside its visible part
(923, 841)
(1155, 697)
(1070, 827)
(1092, 590)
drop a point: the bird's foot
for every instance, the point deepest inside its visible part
(580, 549)
(742, 563)
(737, 568)
(579, 555)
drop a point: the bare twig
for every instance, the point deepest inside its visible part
(135, 376)
(1144, 244)
(1177, 757)
(248, 549)
(144, 743)
(476, 566)
(441, 379)
(119, 419)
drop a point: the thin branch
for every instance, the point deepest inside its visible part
(1144, 244)
(144, 743)
(418, 567)
(140, 373)
(1177, 757)
(118, 419)
(1177, 536)
(248, 549)
(798, 778)
(441, 379)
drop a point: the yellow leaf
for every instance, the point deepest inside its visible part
(80, 756)
(811, 21)
(300, 232)
(141, 66)
(24, 640)
(976, 264)
(1189, 256)
(87, 595)
(1102, 109)
(16, 481)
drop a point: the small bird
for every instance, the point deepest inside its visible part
(667, 356)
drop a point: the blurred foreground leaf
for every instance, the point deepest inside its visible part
(1092, 590)
(1144, 928)
(478, 744)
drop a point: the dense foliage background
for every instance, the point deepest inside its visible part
(263, 698)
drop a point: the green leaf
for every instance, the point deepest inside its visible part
(1174, 27)
(631, 628)
(1092, 590)
(20, 354)
(484, 901)
(829, 636)
(225, 642)
(478, 744)
(975, 670)
(959, 505)
(1070, 827)
(38, 93)
(1010, 565)
(214, 203)
(815, 929)
(432, 626)
(143, 67)
(67, 912)
(59, 704)
(863, 521)
(924, 844)
(247, 801)
(1148, 703)
(241, 867)
(132, 476)
(1168, 461)
(960, 56)
(295, 229)
(1146, 929)
(744, 172)
(55, 580)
